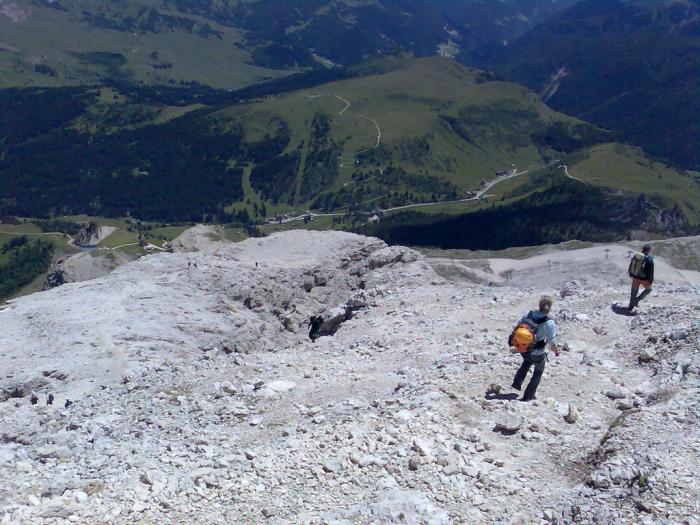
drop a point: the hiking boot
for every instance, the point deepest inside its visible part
(526, 399)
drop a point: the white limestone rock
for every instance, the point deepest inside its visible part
(196, 401)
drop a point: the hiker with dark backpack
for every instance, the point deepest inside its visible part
(315, 327)
(641, 270)
(530, 339)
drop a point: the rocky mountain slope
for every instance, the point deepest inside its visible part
(197, 397)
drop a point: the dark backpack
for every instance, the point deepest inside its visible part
(637, 266)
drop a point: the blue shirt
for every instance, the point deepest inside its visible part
(546, 331)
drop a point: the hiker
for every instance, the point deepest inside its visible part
(315, 327)
(530, 338)
(641, 270)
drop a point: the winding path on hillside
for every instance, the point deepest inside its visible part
(349, 158)
(71, 240)
(273, 221)
(565, 168)
(479, 195)
(37, 233)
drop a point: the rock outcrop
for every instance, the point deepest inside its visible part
(83, 266)
(88, 234)
(200, 238)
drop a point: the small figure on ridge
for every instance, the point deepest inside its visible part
(315, 327)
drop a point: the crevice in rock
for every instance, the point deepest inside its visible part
(21, 390)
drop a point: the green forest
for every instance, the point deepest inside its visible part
(557, 214)
(174, 171)
(21, 261)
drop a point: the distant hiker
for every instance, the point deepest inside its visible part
(68, 403)
(34, 399)
(530, 338)
(49, 399)
(315, 327)
(641, 270)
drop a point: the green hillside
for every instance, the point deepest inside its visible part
(26, 251)
(233, 43)
(263, 115)
(626, 168)
(617, 192)
(75, 42)
(614, 167)
(426, 136)
(444, 129)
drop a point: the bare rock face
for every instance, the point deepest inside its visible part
(646, 355)
(616, 393)
(508, 423)
(186, 389)
(494, 389)
(200, 238)
(88, 234)
(570, 289)
(391, 255)
(83, 267)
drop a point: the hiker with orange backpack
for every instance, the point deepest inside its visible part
(530, 338)
(641, 270)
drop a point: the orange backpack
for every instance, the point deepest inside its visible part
(523, 336)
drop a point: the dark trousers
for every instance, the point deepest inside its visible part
(634, 298)
(521, 374)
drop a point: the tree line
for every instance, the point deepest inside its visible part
(555, 215)
(27, 260)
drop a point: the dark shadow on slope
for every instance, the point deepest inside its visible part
(623, 310)
(504, 431)
(501, 397)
